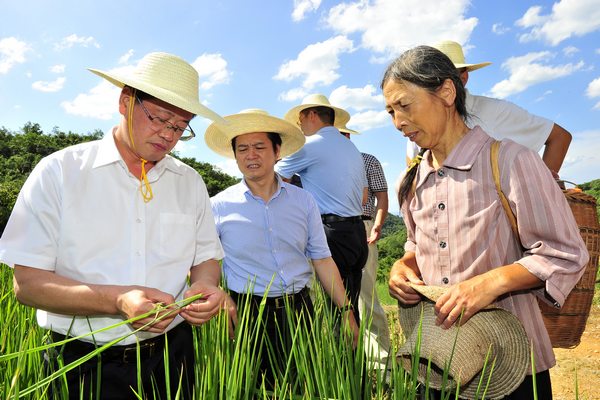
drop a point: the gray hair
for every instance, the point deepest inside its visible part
(428, 68)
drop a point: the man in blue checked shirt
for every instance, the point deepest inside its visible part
(270, 230)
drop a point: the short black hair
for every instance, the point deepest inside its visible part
(326, 114)
(274, 137)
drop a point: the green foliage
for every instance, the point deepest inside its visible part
(392, 225)
(593, 189)
(391, 246)
(321, 363)
(216, 180)
(21, 151)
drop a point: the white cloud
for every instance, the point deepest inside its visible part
(230, 167)
(371, 119)
(100, 102)
(581, 164)
(359, 99)
(74, 40)
(593, 89)
(500, 29)
(124, 59)
(212, 69)
(570, 51)
(53, 86)
(529, 70)
(58, 69)
(302, 7)
(317, 64)
(389, 27)
(568, 18)
(12, 52)
(293, 94)
(543, 96)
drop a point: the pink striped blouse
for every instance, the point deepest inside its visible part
(458, 229)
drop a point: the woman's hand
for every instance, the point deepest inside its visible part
(466, 298)
(401, 274)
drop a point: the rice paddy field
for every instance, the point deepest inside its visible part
(327, 367)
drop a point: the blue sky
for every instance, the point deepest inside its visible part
(270, 54)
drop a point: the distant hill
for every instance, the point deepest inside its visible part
(392, 224)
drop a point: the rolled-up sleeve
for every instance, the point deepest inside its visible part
(554, 249)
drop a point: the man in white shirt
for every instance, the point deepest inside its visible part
(504, 120)
(109, 230)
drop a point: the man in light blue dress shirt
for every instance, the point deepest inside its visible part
(270, 230)
(332, 170)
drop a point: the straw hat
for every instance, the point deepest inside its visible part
(166, 77)
(317, 100)
(218, 136)
(455, 53)
(342, 128)
(465, 348)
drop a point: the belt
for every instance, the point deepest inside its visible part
(366, 218)
(331, 218)
(125, 354)
(274, 302)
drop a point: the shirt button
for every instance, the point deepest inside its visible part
(445, 280)
(441, 172)
(138, 220)
(443, 245)
(442, 206)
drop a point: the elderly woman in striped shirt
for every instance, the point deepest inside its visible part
(457, 233)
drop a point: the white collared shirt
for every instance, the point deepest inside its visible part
(81, 214)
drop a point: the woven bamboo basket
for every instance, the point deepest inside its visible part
(566, 325)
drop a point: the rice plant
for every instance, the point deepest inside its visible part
(322, 363)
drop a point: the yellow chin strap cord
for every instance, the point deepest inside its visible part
(145, 188)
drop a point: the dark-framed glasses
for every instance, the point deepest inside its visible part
(184, 133)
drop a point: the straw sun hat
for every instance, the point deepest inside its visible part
(455, 53)
(166, 77)
(344, 129)
(317, 100)
(218, 136)
(465, 348)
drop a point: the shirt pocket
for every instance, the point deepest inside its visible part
(177, 235)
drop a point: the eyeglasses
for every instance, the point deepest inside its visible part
(158, 123)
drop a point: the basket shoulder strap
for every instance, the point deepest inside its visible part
(496, 175)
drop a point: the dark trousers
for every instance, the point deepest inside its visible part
(276, 329)
(114, 373)
(523, 392)
(347, 242)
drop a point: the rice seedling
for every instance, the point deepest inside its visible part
(321, 363)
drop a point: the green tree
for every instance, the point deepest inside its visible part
(216, 180)
(391, 245)
(593, 189)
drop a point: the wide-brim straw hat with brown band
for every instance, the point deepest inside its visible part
(342, 128)
(218, 136)
(166, 77)
(462, 351)
(455, 53)
(317, 100)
